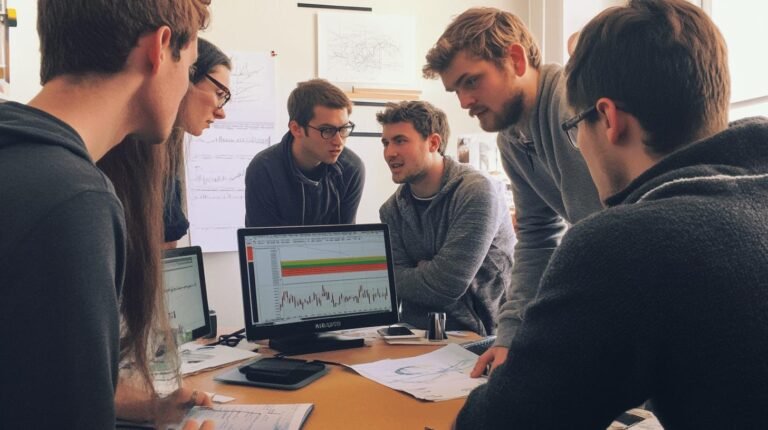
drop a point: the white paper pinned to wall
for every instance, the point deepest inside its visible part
(375, 50)
(217, 160)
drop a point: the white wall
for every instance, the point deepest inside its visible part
(279, 25)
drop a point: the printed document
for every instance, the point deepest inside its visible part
(439, 375)
(196, 358)
(253, 417)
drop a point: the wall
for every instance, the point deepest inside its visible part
(279, 25)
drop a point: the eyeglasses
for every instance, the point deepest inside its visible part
(231, 339)
(327, 132)
(224, 98)
(571, 126)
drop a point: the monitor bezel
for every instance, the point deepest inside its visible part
(193, 251)
(321, 324)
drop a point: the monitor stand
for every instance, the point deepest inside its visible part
(315, 342)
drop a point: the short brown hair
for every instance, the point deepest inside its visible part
(665, 61)
(95, 36)
(484, 32)
(315, 92)
(425, 118)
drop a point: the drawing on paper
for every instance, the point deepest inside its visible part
(373, 50)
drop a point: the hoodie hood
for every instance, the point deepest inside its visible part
(704, 163)
(453, 175)
(21, 124)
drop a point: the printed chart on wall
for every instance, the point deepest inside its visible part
(375, 50)
(217, 160)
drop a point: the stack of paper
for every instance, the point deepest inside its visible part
(253, 417)
(196, 358)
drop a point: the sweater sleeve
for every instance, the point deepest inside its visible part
(584, 353)
(64, 279)
(539, 230)
(444, 279)
(354, 192)
(261, 201)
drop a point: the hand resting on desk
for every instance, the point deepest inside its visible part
(192, 425)
(135, 404)
(493, 357)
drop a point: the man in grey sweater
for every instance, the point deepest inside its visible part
(489, 59)
(451, 232)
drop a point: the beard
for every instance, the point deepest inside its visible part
(510, 114)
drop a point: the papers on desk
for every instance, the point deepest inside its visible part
(196, 358)
(439, 375)
(252, 417)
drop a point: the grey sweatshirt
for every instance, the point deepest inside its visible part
(551, 187)
(455, 256)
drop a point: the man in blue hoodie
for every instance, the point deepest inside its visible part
(109, 70)
(309, 178)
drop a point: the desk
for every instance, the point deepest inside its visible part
(345, 400)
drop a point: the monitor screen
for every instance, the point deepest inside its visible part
(309, 279)
(185, 295)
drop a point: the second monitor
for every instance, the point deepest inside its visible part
(299, 282)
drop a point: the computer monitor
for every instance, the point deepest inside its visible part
(185, 297)
(301, 281)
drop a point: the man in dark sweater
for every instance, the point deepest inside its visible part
(309, 178)
(663, 296)
(109, 70)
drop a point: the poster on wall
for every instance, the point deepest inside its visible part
(216, 161)
(367, 50)
(746, 61)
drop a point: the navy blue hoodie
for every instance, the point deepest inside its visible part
(277, 193)
(62, 256)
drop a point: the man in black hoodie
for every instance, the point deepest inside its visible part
(309, 178)
(109, 70)
(662, 296)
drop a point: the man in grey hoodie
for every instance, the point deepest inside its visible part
(450, 229)
(490, 60)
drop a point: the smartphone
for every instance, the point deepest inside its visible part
(396, 332)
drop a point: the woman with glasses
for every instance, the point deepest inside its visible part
(204, 103)
(140, 173)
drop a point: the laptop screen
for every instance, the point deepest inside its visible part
(185, 295)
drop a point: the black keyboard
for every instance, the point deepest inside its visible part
(479, 346)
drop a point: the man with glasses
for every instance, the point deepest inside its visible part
(489, 59)
(662, 296)
(451, 232)
(309, 178)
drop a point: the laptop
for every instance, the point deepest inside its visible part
(185, 295)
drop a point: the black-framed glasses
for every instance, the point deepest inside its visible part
(231, 339)
(571, 126)
(224, 98)
(327, 131)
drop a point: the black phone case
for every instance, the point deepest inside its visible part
(281, 373)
